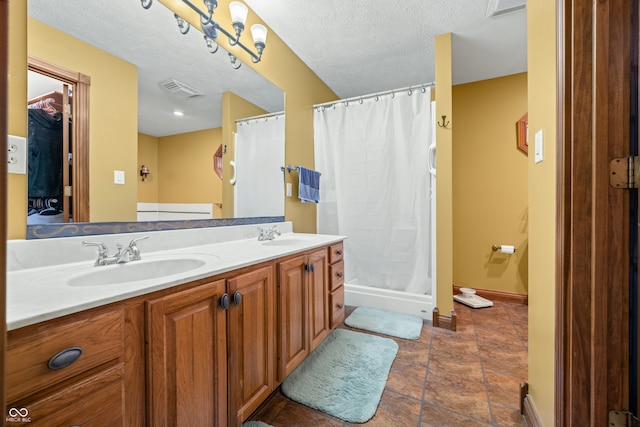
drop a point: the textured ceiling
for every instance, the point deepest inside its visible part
(356, 47)
(359, 47)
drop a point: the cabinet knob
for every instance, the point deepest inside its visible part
(339, 252)
(237, 298)
(224, 301)
(340, 306)
(339, 274)
(64, 358)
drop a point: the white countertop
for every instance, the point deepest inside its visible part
(38, 294)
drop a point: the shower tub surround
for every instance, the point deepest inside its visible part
(92, 335)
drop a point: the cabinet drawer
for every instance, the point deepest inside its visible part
(335, 253)
(99, 336)
(97, 400)
(337, 306)
(336, 274)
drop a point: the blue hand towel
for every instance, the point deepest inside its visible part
(309, 186)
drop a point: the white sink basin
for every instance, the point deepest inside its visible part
(134, 271)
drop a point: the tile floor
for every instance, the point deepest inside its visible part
(466, 378)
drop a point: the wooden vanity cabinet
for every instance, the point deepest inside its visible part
(302, 308)
(206, 353)
(187, 358)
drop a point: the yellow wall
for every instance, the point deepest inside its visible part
(185, 165)
(17, 115)
(233, 108)
(181, 168)
(444, 178)
(541, 16)
(113, 124)
(148, 156)
(489, 185)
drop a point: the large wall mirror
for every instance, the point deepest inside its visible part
(156, 100)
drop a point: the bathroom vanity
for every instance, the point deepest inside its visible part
(201, 347)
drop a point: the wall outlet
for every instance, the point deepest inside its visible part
(16, 154)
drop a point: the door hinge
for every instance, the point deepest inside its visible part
(624, 172)
(623, 419)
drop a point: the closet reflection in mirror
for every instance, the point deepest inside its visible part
(142, 70)
(48, 141)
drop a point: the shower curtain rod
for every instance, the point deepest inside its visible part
(263, 116)
(375, 95)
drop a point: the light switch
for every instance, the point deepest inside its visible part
(16, 154)
(118, 177)
(289, 192)
(539, 147)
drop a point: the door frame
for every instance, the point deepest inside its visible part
(592, 264)
(80, 136)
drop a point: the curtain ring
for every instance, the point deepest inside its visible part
(376, 97)
(361, 101)
(409, 92)
(423, 90)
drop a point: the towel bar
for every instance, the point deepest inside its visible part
(289, 168)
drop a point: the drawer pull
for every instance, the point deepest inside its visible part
(224, 301)
(65, 358)
(237, 298)
(339, 252)
(339, 274)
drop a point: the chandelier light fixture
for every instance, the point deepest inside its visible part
(212, 29)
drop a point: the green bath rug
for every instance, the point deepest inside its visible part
(385, 322)
(345, 376)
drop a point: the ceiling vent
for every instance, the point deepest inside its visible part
(179, 88)
(502, 7)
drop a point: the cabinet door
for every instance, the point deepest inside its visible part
(187, 358)
(293, 324)
(251, 341)
(318, 297)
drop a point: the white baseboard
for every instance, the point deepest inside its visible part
(400, 302)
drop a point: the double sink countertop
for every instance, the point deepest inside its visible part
(43, 293)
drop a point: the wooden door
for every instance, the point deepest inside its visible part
(317, 278)
(293, 324)
(252, 339)
(592, 335)
(187, 363)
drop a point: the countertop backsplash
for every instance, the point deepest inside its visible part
(25, 254)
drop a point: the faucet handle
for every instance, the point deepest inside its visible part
(136, 240)
(102, 249)
(134, 250)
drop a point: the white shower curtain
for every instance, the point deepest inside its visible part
(375, 188)
(259, 155)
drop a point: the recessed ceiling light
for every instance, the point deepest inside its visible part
(178, 113)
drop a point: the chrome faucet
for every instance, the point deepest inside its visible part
(268, 234)
(130, 253)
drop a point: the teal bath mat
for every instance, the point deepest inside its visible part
(254, 424)
(386, 322)
(345, 376)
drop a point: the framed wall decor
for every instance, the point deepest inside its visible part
(522, 127)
